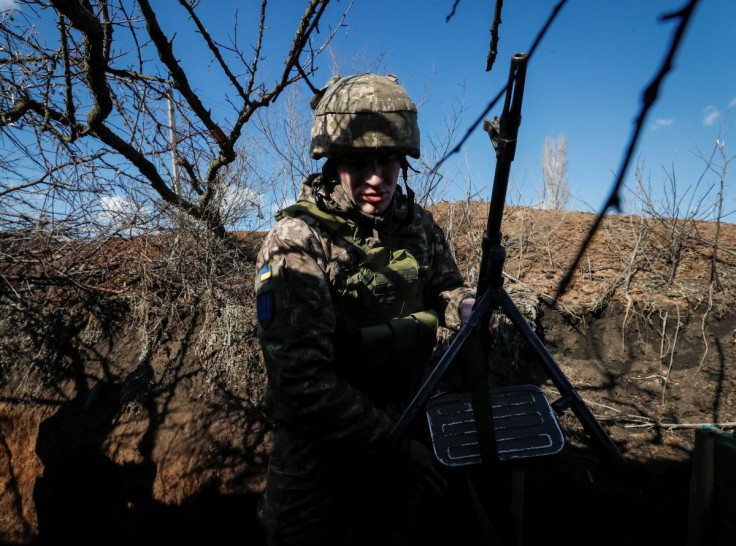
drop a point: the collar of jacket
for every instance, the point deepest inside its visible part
(330, 196)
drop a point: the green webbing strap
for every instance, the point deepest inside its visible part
(331, 222)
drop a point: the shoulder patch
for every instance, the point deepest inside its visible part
(265, 299)
(265, 308)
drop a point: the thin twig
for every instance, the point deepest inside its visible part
(479, 120)
(493, 47)
(648, 99)
(672, 354)
(702, 329)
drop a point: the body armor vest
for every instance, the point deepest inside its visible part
(386, 330)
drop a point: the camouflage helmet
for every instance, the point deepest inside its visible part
(364, 112)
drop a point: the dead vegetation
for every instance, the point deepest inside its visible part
(630, 258)
(139, 358)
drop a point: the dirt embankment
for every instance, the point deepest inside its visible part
(115, 433)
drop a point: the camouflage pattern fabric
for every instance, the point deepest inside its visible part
(328, 434)
(365, 112)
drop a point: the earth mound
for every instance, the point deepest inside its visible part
(131, 391)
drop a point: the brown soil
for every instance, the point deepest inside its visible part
(118, 429)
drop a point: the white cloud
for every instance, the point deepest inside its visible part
(240, 206)
(710, 115)
(121, 213)
(663, 122)
(732, 103)
(244, 197)
(115, 205)
(8, 5)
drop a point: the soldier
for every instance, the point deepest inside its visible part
(352, 284)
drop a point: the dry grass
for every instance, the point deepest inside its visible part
(628, 259)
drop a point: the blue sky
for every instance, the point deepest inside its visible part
(585, 81)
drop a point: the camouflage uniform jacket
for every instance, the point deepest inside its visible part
(317, 412)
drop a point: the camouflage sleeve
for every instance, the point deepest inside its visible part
(296, 329)
(446, 283)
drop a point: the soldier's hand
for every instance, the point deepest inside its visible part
(466, 308)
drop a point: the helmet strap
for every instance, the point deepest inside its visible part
(409, 218)
(405, 167)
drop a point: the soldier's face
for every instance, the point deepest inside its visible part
(370, 180)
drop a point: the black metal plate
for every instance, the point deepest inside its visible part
(524, 424)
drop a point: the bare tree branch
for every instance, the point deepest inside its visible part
(493, 47)
(102, 87)
(648, 99)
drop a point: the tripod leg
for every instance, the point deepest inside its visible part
(570, 397)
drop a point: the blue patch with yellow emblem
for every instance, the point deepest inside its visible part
(265, 306)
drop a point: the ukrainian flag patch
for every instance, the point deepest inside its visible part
(265, 273)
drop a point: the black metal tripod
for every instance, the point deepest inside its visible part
(470, 341)
(491, 294)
